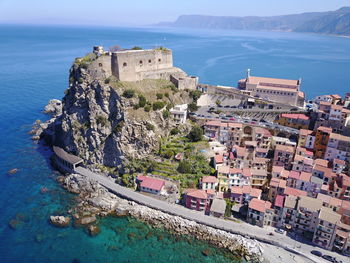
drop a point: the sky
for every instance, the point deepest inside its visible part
(147, 12)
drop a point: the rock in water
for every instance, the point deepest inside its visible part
(93, 230)
(60, 221)
(13, 171)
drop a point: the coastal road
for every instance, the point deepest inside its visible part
(242, 228)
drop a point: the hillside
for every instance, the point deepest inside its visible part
(332, 22)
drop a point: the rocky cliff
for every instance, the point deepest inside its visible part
(102, 126)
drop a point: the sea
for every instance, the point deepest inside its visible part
(34, 66)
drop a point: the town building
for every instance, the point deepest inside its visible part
(294, 120)
(150, 184)
(279, 90)
(196, 199)
(260, 213)
(283, 156)
(209, 182)
(179, 113)
(218, 207)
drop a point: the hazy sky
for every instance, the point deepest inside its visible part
(143, 12)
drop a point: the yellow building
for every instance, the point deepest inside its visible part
(294, 120)
(321, 141)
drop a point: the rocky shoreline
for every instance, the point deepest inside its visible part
(94, 201)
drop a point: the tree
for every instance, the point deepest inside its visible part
(158, 105)
(195, 134)
(218, 102)
(147, 108)
(184, 167)
(192, 107)
(195, 94)
(166, 114)
(142, 101)
(174, 131)
(159, 96)
(129, 93)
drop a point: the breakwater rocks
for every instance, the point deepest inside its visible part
(95, 200)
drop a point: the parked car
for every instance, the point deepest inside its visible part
(316, 253)
(328, 257)
(232, 119)
(262, 120)
(227, 106)
(279, 230)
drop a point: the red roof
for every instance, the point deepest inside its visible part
(209, 179)
(218, 158)
(304, 176)
(259, 205)
(152, 183)
(200, 194)
(279, 202)
(237, 190)
(294, 192)
(294, 116)
(294, 175)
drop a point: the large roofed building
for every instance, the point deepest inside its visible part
(278, 90)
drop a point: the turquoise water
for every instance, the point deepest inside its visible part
(34, 64)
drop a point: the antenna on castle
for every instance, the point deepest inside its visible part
(248, 73)
(300, 79)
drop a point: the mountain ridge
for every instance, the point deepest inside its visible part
(330, 22)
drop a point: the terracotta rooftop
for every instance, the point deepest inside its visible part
(321, 162)
(279, 201)
(219, 159)
(259, 205)
(324, 129)
(284, 148)
(294, 175)
(304, 176)
(246, 189)
(338, 161)
(200, 194)
(254, 192)
(247, 172)
(235, 125)
(209, 179)
(224, 169)
(262, 80)
(336, 96)
(152, 183)
(327, 172)
(304, 132)
(235, 171)
(213, 123)
(294, 192)
(325, 103)
(335, 202)
(277, 169)
(294, 116)
(324, 198)
(237, 190)
(275, 182)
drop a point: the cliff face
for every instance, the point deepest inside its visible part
(101, 126)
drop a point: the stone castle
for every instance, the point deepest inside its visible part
(136, 65)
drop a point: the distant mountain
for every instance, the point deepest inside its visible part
(332, 22)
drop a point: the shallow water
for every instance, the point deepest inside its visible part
(34, 64)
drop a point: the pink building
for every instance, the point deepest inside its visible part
(197, 199)
(283, 156)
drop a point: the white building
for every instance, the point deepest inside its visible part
(179, 113)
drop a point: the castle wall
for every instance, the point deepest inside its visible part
(133, 65)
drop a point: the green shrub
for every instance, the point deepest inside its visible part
(107, 80)
(195, 94)
(167, 94)
(136, 48)
(195, 134)
(166, 114)
(168, 154)
(174, 131)
(147, 108)
(129, 93)
(192, 107)
(159, 96)
(80, 80)
(149, 126)
(142, 101)
(158, 105)
(184, 167)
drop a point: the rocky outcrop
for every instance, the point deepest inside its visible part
(54, 107)
(95, 123)
(60, 221)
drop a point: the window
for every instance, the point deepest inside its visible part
(141, 62)
(149, 61)
(125, 64)
(159, 60)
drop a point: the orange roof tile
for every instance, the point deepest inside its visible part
(200, 194)
(294, 192)
(209, 179)
(219, 159)
(305, 176)
(294, 116)
(304, 132)
(284, 148)
(321, 162)
(261, 80)
(259, 205)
